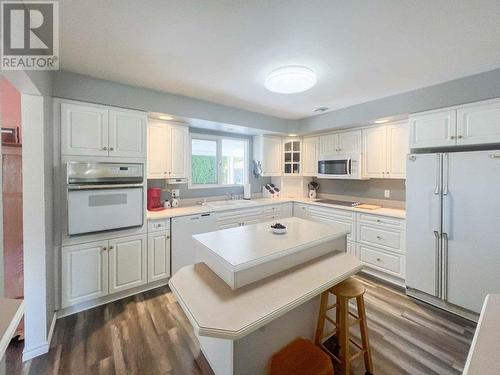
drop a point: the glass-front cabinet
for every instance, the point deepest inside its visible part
(292, 158)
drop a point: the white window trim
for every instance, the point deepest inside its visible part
(218, 139)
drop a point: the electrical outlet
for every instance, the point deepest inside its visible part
(387, 193)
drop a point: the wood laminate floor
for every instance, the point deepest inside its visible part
(149, 334)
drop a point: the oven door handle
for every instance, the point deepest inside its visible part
(348, 167)
(102, 187)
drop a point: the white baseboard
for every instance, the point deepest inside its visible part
(43, 348)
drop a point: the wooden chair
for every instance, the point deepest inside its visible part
(300, 357)
(344, 319)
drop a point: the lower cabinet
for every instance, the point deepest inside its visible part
(249, 216)
(127, 263)
(97, 269)
(84, 273)
(158, 256)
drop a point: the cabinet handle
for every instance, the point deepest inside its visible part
(378, 259)
(379, 238)
(104, 248)
(379, 221)
(452, 137)
(111, 149)
(104, 148)
(164, 172)
(460, 136)
(111, 248)
(168, 237)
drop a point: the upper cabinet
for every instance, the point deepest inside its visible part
(310, 154)
(292, 156)
(168, 148)
(436, 129)
(267, 152)
(384, 151)
(471, 124)
(348, 142)
(91, 130)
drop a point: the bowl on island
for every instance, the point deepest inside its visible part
(279, 228)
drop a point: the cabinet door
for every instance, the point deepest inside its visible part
(158, 256)
(179, 147)
(127, 263)
(397, 150)
(310, 147)
(328, 144)
(292, 157)
(478, 124)
(127, 134)
(433, 129)
(158, 149)
(374, 152)
(300, 211)
(84, 272)
(84, 130)
(271, 156)
(349, 142)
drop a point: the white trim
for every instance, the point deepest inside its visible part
(218, 139)
(52, 328)
(43, 348)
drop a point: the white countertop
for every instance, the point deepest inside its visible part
(197, 209)
(215, 310)
(257, 244)
(483, 355)
(11, 313)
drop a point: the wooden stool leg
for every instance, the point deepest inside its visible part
(364, 334)
(343, 304)
(321, 318)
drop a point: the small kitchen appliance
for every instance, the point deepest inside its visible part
(154, 200)
(313, 187)
(175, 202)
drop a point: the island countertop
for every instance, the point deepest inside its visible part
(215, 310)
(250, 245)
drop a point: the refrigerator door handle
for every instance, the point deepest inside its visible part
(438, 264)
(444, 289)
(445, 174)
(437, 190)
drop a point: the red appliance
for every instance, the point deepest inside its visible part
(154, 199)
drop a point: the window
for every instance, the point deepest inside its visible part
(218, 161)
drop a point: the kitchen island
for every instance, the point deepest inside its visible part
(239, 329)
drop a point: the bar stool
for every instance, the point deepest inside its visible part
(344, 291)
(300, 357)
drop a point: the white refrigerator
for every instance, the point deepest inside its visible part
(453, 228)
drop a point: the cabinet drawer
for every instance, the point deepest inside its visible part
(343, 214)
(238, 214)
(381, 236)
(331, 219)
(378, 259)
(381, 220)
(158, 225)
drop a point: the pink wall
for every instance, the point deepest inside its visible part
(10, 105)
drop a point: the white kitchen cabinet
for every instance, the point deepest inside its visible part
(158, 256)
(384, 151)
(478, 124)
(310, 154)
(84, 272)
(127, 262)
(286, 210)
(158, 150)
(127, 134)
(300, 210)
(179, 149)
(267, 152)
(92, 130)
(433, 129)
(342, 218)
(292, 157)
(84, 130)
(374, 152)
(352, 248)
(168, 149)
(348, 142)
(397, 150)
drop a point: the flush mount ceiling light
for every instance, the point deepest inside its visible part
(166, 118)
(381, 121)
(290, 79)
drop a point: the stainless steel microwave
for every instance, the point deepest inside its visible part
(346, 166)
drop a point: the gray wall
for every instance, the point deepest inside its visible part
(256, 183)
(373, 188)
(464, 90)
(80, 87)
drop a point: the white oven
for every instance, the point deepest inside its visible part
(347, 166)
(104, 196)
